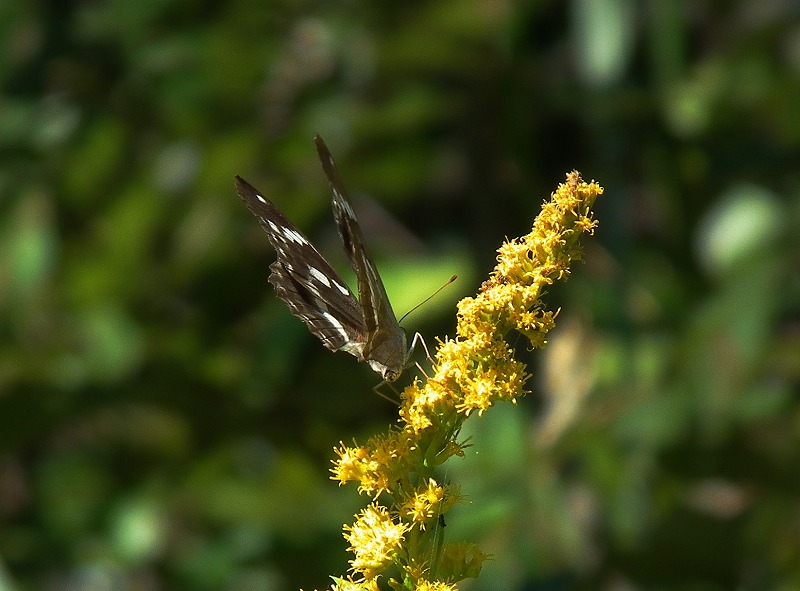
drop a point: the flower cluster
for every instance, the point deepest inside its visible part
(404, 540)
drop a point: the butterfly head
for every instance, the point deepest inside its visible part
(390, 374)
(386, 353)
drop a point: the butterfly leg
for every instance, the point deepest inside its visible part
(376, 389)
(418, 338)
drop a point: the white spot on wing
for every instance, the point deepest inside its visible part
(293, 236)
(261, 199)
(335, 324)
(345, 205)
(319, 276)
(340, 287)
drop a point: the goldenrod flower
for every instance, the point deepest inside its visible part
(349, 584)
(426, 504)
(435, 586)
(374, 539)
(471, 373)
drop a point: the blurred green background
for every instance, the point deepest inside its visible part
(166, 424)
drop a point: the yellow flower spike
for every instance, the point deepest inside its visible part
(349, 584)
(435, 586)
(374, 539)
(424, 505)
(350, 465)
(470, 374)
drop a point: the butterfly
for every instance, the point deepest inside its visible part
(365, 327)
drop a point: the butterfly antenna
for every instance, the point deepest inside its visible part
(453, 278)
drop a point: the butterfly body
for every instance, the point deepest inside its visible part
(365, 327)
